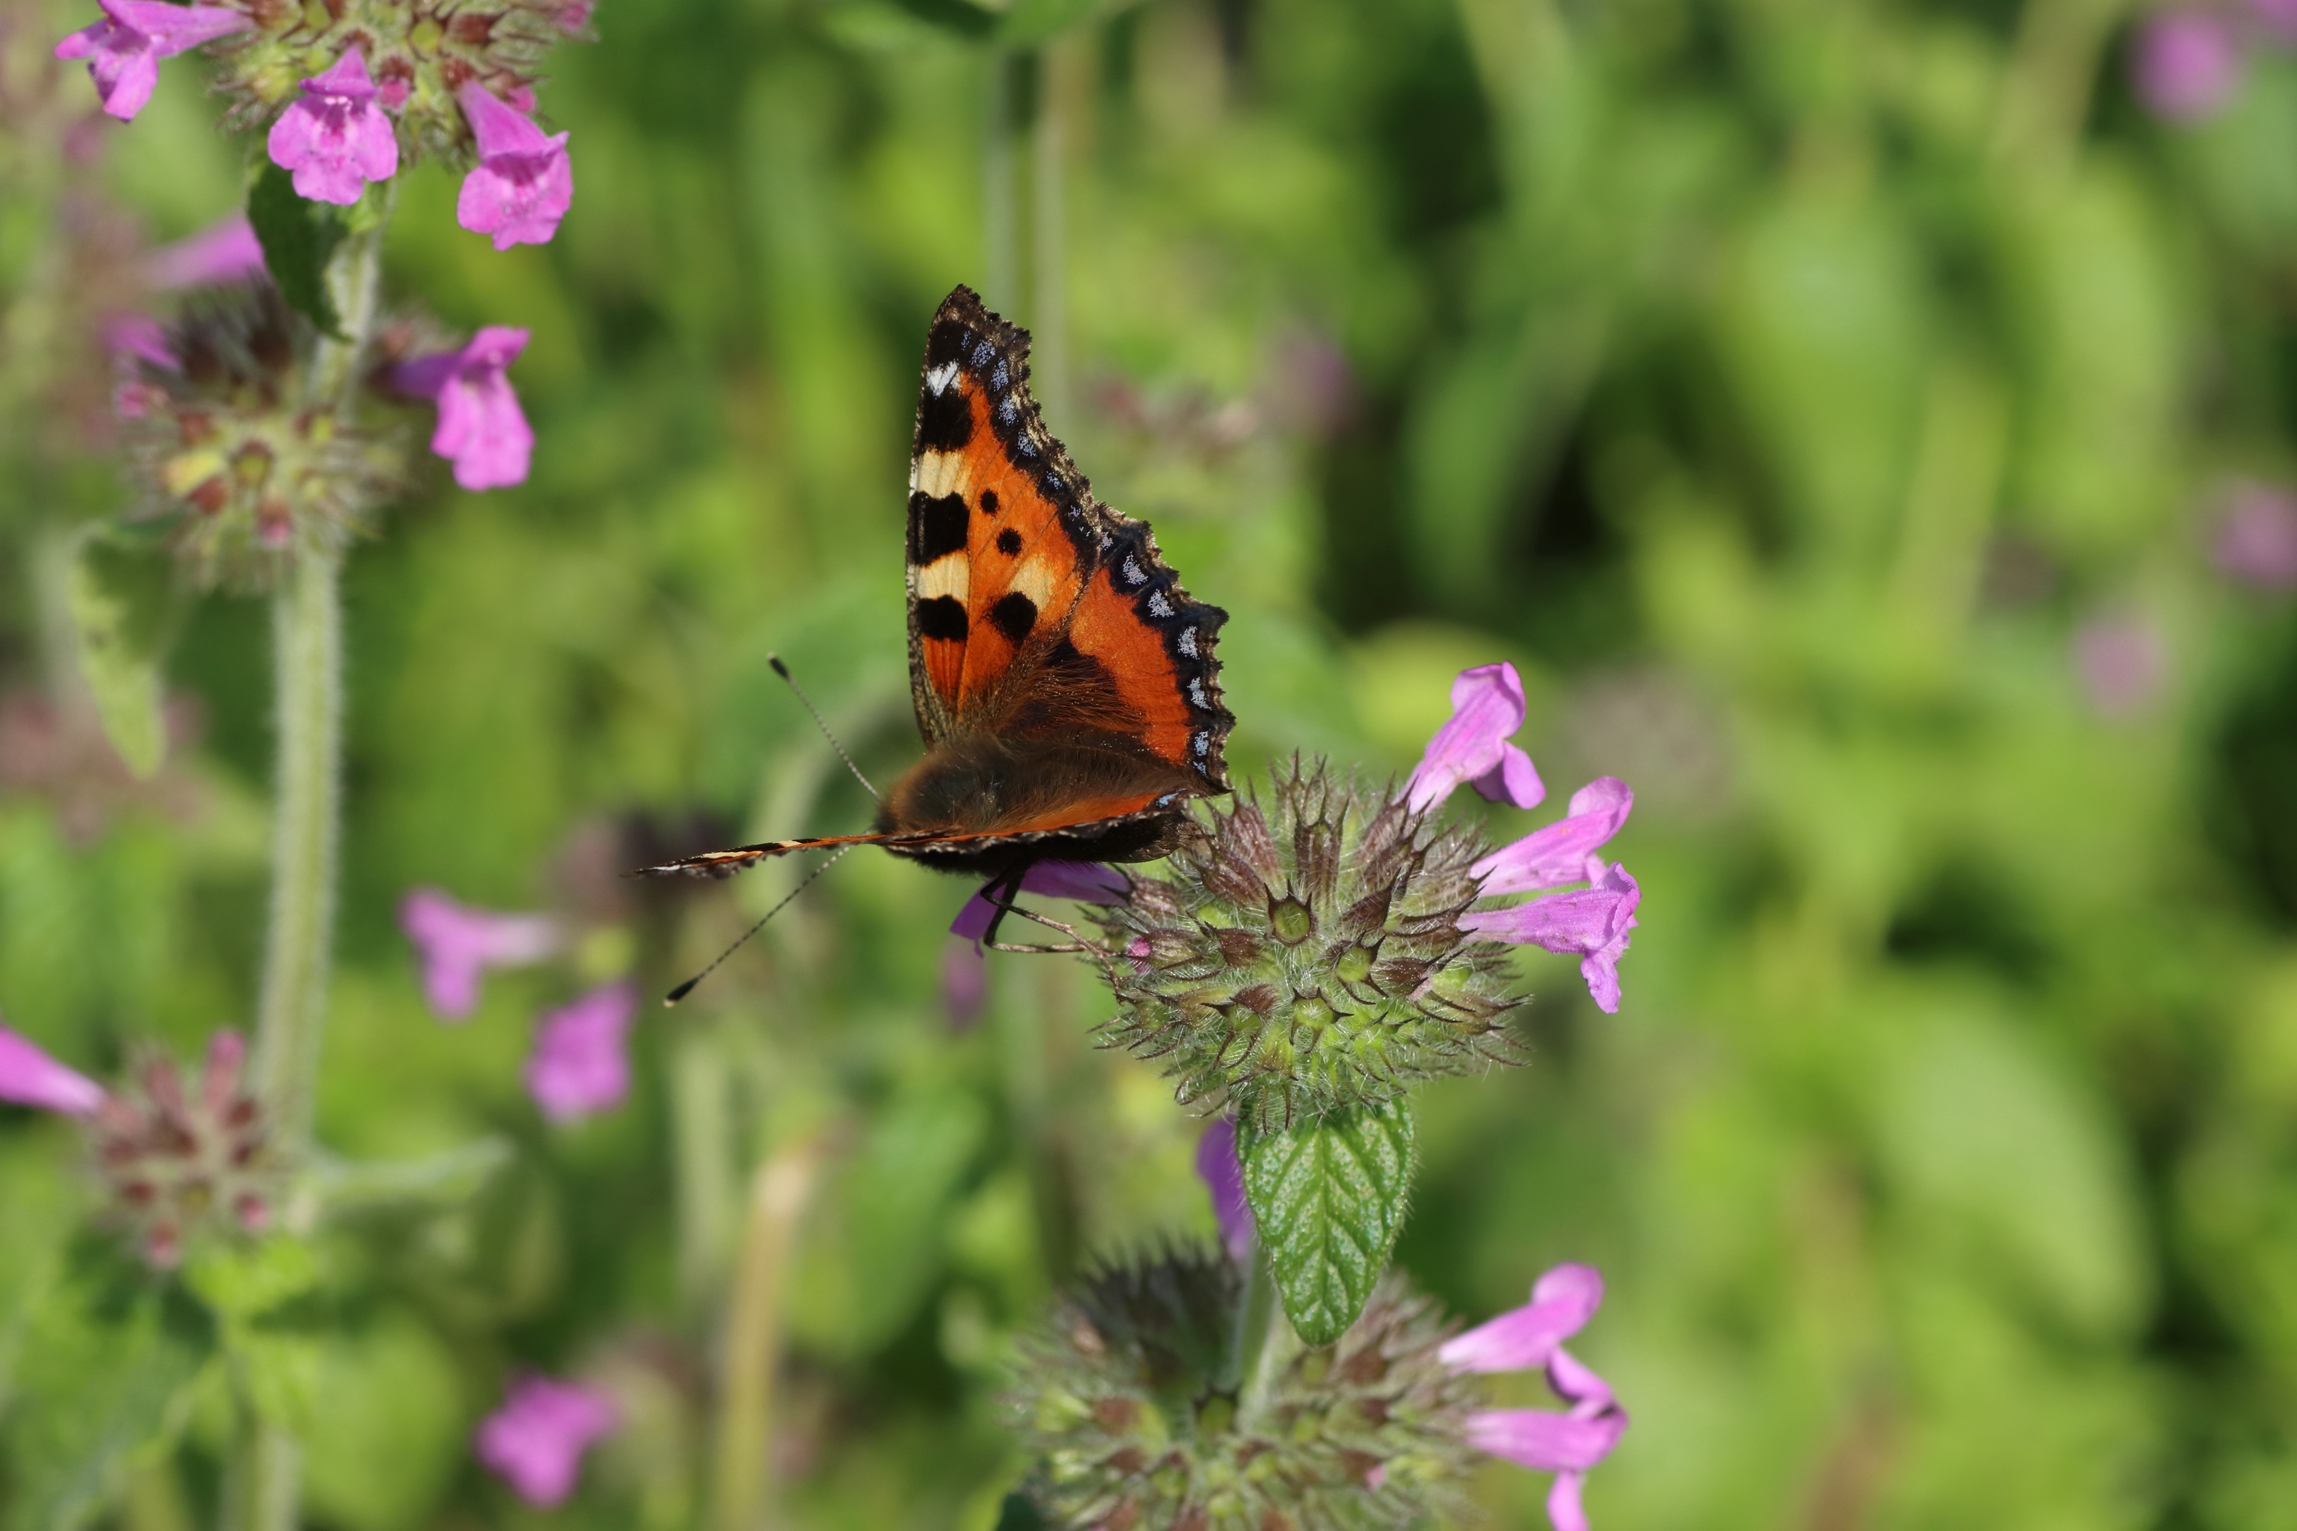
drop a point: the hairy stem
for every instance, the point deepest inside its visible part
(306, 834)
(1264, 1341)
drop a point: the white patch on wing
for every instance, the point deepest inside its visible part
(1158, 605)
(937, 473)
(1034, 579)
(1188, 641)
(939, 378)
(950, 576)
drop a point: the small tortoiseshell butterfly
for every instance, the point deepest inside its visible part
(1063, 680)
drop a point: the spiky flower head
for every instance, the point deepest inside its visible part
(1304, 952)
(183, 1158)
(1129, 1405)
(420, 53)
(239, 467)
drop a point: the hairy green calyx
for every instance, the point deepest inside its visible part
(1302, 954)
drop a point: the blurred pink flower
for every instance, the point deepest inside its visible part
(458, 944)
(1593, 922)
(29, 1077)
(1563, 852)
(481, 430)
(523, 182)
(125, 48)
(2257, 536)
(1223, 1177)
(2122, 663)
(222, 252)
(1568, 1443)
(964, 979)
(2278, 18)
(1472, 746)
(2186, 63)
(581, 1059)
(535, 1441)
(137, 337)
(336, 139)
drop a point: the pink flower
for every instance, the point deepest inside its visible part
(964, 980)
(1223, 1177)
(1593, 922)
(1563, 852)
(125, 48)
(482, 431)
(581, 1061)
(1570, 1443)
(2122, 663)
(535, 1441)
(523, 181)
(336, 139)
(223, 252)
(1472, 747)
(2278, 18)
(2257, 535)
(458, 944)
(139, 337)
(2187, 64)
(29, 1077)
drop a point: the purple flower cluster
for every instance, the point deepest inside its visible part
(1591, 922)
(2187, 60)
(580, 1064)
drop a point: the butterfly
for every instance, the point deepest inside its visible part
(1064, 682)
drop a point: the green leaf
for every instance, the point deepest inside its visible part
(298, 238)
(1329, 1198)
(103, 1381)
(245, 1281)
(119, 603)
(271, 1335)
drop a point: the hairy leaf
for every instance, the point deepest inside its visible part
(1329, 1197)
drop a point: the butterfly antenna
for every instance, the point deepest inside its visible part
(807, 702)
(687, 987)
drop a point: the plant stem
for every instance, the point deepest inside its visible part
(306, 835)
(1000, 206)
(1264, 1343)
(778, 1195)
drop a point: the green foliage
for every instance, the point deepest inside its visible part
(120, 607)
(297, 238)
(1328, 1198)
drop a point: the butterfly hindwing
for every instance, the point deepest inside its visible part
(1035, 610)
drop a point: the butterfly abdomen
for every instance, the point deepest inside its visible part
(981, 784)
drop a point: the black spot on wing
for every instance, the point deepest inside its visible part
(948, 342)
(937, 526)
(1009, 542)
(944, 420)
(988, 502)
(1013, 615)
(942, 617)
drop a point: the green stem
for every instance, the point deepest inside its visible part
(306, 834)
(1000, 206)
(778, 1195)
(1265, 1344)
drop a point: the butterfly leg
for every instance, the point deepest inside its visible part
(1000, 896)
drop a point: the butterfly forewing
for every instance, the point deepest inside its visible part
(1036, 611)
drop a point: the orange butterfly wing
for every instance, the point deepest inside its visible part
(1035, 611)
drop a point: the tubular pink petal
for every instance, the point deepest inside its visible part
(1572, 1379)
(1487, 709)
(536, 1440)
(1085, 881)
(1544, 1440)
(2187, 64)
(458, 944)
(336, 139)
(1594, 923)
(29, 1077)
(964, 981)
(481, 428)
(580, 1064)
(1564, 1511)
(1223, 1176)
(223, 252)
(1521, 1339)
(1558, 854)
(523, 183)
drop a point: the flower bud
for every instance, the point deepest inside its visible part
(182, 1161)
(244, 475)
(1129, 1406)
(1305, 952)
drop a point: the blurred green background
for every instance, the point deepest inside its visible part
(1795, 390)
